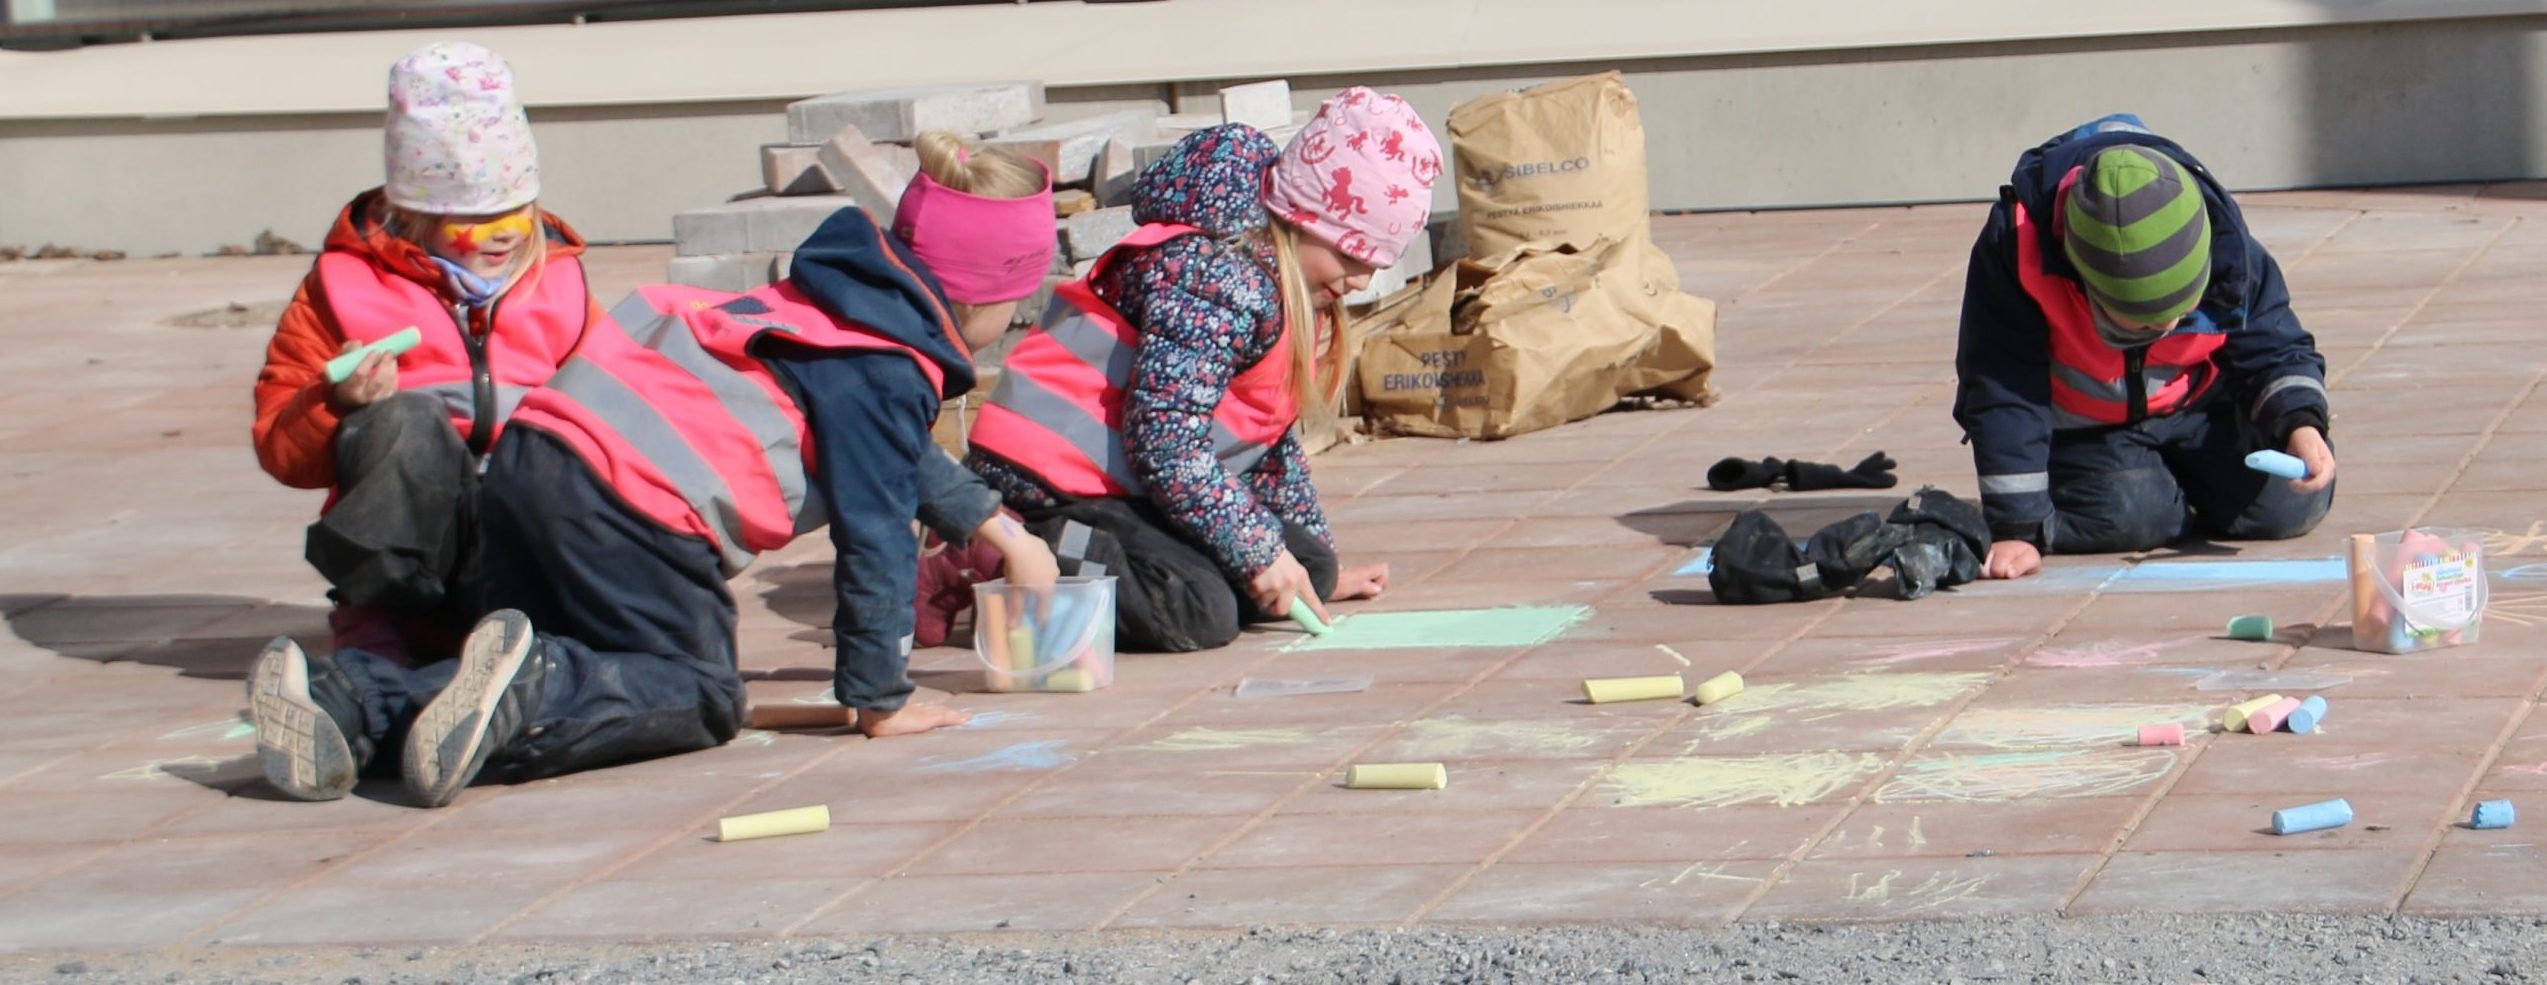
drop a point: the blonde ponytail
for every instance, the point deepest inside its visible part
(960, 163)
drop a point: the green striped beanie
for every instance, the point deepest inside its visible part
(2139, 234)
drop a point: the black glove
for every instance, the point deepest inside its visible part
(1743, 473)
(1874, 472)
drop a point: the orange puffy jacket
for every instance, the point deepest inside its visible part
(295, 419)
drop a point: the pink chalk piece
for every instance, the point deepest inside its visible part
(2270, 717)
(2162, 734)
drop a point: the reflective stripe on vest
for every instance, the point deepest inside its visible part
(2088, 384)
(685, 425)
(1057, 410)
(537, 325)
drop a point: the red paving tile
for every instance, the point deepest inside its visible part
(1596, 834)
(941, 904)
(67, 919)
(353, 915)
(2248, 882)
(661, 909)
(1373, 840)
(1024, 846)
(1997, 828)
(1950, 725)
(1293, 895)
(1922, 888)
(1666, 894)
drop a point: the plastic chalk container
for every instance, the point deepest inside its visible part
(2415, 590)
(1056, 639)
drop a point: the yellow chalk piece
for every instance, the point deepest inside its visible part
(1718, 688)
(772, 824)
(1603, 690)
(1069, 679)
(2235, 719)
(1021, 647)
(1397, 776)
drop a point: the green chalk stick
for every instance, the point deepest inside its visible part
(1308, 618)
(2251, 628)
(343, 366)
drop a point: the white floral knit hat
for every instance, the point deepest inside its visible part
(458, 142)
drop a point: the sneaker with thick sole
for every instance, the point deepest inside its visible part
(298, 744)
(485, 706)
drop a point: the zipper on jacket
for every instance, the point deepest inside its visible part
(2136, 384)
(481, 377)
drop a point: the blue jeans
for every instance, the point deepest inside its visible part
(2139, 486)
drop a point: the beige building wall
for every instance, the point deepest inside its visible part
(185, 146)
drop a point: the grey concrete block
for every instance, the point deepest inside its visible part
(729, 271)
(1118, 167)
(902, 114)
(1070, 149)
(868, 172)
(794, 169)
(755, 225)
(1263, 105)
(1092, 233)
(1180, 124)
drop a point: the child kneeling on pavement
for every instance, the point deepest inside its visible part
(701, 429)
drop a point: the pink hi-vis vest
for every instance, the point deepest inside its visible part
(1058, 409)
(2088, 384)
(669, 407)
(535, 326)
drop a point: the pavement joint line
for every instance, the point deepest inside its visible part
(2432, 842)
(1395, 729)
(1270, 655)
(2426, 301)
(1917, 743)
(1248, 827)
(1680, 714)
(685, 831)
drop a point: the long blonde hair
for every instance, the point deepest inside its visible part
(423, 228)
(1300, 317)
(964, 165)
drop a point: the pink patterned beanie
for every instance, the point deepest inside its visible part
(1359, 177)
(458, 142)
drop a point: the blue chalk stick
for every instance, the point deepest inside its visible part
(2314, 817)
(2277, 463)
(2490, 815)
(2304, 718)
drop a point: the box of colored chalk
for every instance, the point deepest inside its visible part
(1055, 639)
(2418, 589)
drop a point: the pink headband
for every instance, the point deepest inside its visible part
(983, 250)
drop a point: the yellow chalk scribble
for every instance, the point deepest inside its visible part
(1206, 739)
(1697, 870)
(1938, 890)
(1725, 781)
(2040, 774)
(1815, 700)
(2073, 725)
(1446, 738)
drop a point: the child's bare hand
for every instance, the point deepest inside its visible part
(1365, 582)
(374, 380)
(1273, 588)
(911, 719)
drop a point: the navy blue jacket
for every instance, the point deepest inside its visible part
(874, 465)
(2003, 358)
